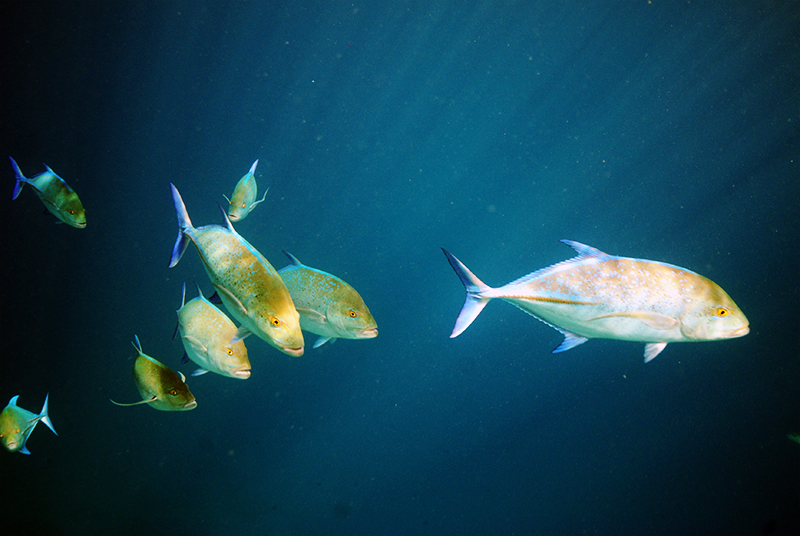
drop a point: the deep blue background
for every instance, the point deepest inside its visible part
(386, 130)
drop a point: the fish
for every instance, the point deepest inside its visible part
(328, 306)
(206, 333)
(243, 198)
(160, 387)
(16, 425)
(794, 437)
(57, 196)
(596, 295)
(248, 285)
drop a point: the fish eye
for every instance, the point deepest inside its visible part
(173, 392)
(244, 205)
(229, 351)
(72, 212)
(721, 312)
(275, 321)
(352, 313)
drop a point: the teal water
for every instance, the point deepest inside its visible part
(385, 131)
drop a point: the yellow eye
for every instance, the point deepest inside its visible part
(352, 313)
(173, 392)
(229, 351)
(71, 212)
(275, 321)
(721, 312)
(244, 205)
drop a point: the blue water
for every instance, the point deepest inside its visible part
(386, 130)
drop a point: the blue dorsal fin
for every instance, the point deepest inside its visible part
(227, 219)
(183, 295)
(185, 358)
(215, 299)
(253, 167)
(292, 259)
(583, 250)
(13, 401)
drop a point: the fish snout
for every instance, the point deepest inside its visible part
(12, 445)
(295, 352)
(190, 405)
(369, 333)
(242, 374)
(740, 332)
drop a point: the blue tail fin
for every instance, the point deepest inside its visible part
(45, 417)
(184, 224)
(21, 180)
(475, 301)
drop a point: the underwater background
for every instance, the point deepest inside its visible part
(385, 130)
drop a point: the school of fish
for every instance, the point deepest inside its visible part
(593, 295)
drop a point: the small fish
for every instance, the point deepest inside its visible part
(328, 306)
(206, 334)
(243, 198)
(159, 385)
(16, 424)
(57, 196)
(596, 295)
(248, 285)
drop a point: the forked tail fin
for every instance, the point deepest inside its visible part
(475, 301)
(184, 224)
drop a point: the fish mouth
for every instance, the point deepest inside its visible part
(296, 352)
(369, 333)
(190, 405)
(242, 374)
(741, 332)
(12, 446)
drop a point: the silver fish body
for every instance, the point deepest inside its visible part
(246, 282)
(596, 295)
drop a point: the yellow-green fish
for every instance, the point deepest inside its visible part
(16, 424)
(206, 334)
(159, 385)
(596, 295)
(246, 282)
(328, 306)
(243, 198)
(57, 196)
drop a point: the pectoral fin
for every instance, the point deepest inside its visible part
(223, 292)
(145, 401)
(322, 340)
(652, 350)
(313, 314)
(241, 333)
(198, 346)
(653, 320)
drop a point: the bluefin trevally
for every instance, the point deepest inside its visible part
(246, 282)
(16, 424)
(160, 387)
(57, 196)
(243, 198)
(328, 306)
(206, 334)
(596, 295)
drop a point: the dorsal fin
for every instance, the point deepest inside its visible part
(137, 344)
(227, 219)
(292, 259)
(583, 250)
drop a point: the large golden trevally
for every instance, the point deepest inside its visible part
(159, 386)
(243, 198)
(246, 282)
(57, 196)
(328, 306)
(16, 424)
(596, 295)
(206, 334)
